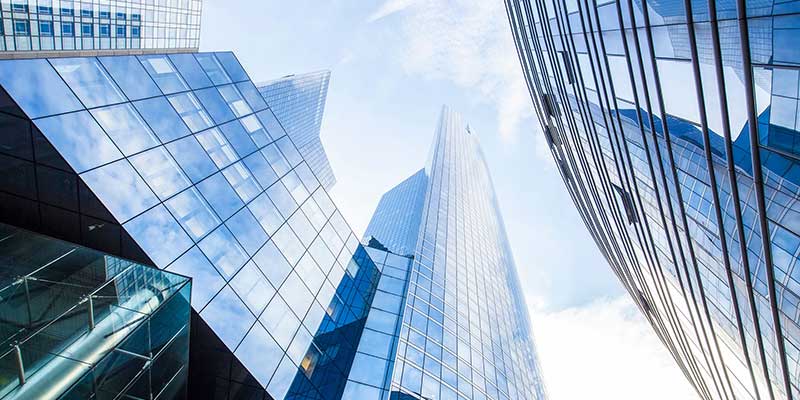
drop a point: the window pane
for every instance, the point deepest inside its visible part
(247, 230)
(220, 195)
(232, 66)
(153, 229)
(276, 159)
(162, 118)
(161, 172)
(235, 100)
(120, 189)
(191, 111)
(213, 68)
(242, 181)
(261, 169)
(289, 151)
(90, 82)
(164, 73)
(257, 132)
(190, 70)
(27, 80)
(126, 128)
(266, 213)
(289, 244)
(222, 250)
(130, 76)
(282, 199)
(280, 321)
(217, 147)
(192, 158)
(206, 281)
(253, 288)
(218, 315)
(79, 139)
(272, 264)
(271, 123)
(260, 354)
(215, 105)
(252, 95)
(193, 213)
(238, 138)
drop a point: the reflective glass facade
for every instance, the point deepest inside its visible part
(403, 203)
(177, 160)
(299, 102)
(675, 134)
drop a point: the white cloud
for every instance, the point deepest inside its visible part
(605, 350)
(468, 43)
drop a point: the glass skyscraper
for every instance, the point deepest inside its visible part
(46, 28)
(465, 329)
(300, 101)
(678, 143)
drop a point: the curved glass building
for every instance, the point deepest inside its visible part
(676, 134)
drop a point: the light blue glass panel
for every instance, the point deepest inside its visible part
(130, 76)
(192, 158)
(191, 111)
(220, 195)
(276, 159)
(125, 127)
(213, 68)
(252, 287)
(164, 73)
(296, 295)
(252, 95)
(269, 121)
(79, 139)
(152, 229)
(266, 213)
(120, 189)
(368, 369)
(282, 199)
(282, 380)
(256, 131)
(235, 100)
(223, 251)
(27, 80)
(162, 118)
(302, 228)
(375, 343)
(289, 244)
(300, 346)
(247, 230)
(308, 271)
(206, 281)
(89, 80)
(280, 321)
(295, 187)
(260, 354)
(190, 70)
(232, 66)
(218, 314)
(358, 391)
(289, 151)
(272, 263)
(238, 138)
(242, 181)
(161, 172)
(193, 213)
(217, 147)
(263, 173)
(213, 102)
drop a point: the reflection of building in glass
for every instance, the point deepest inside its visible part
(299, 102)
(455, 310)
(654, 133)
(45, 28)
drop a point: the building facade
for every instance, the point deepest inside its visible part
(464, 331)
(677, 142)
(300, 101)
(47, 28)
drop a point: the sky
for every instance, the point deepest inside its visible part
(394, 63)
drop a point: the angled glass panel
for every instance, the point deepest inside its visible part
(125, 127)
(276, 159)
(256, 131)
(192, 158)
(232, 66)
(289, 244)
(190, 69)
(252, 287)
(164, 73)
(193, 213)
(79, 139)
(296, 295)
(220, 195)
(283, 378)
(89, 80)
(155, 228)
(251, 94)
(27, 80)
(130, 76)
(191, 111)
(213, 102)
(308, 178)
(235, 100)
(247, 230)
(217, 147)
(269, 121)
(238, 138)
(242, 181)
(295, 187)
(206, 281)
(289, 151)
(213, 68)
(218, 314)
(282, 199)
(303, 228)
(120, 189)
(161, 172)
(260, 354)
(223, 251)
(162, 118)
(280, 321)
(266, 213)
(272, 264)
(264, 174)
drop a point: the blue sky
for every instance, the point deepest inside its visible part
(394, 63)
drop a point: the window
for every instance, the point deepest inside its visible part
(105, 14)
(46, 28)
(135, 31)
(87, 13)
(87, 30)
(68, 11)
(122, 15)
(21, 28)
(136, 17)
(44, 9)
(19, 7)
(105, 30)
(67, 29)
(120, 30)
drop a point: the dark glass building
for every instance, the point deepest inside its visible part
(675, 128)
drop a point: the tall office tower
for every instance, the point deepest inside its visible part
(465, 329)
(678, 143)
(299, 102)
(176, 161)
(47, 28)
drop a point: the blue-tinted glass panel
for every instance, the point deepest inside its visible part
(191, 111)
(272, 264)
(238, 138)
(232, 66)
(213, 68)
(261, 169)
(223, 251)
(276, 159)
(193, 213)
(271, 123)
(266, 213)
(190, 70)
(192, 158)
(215, 104)
(162, 118)
(256, 131)
(26, 80)
(218, 316)
(247, 230)
(242, 181)
(164, 73)
(280, 321)
(206, 281)
(260, 354)
(120, 189)
(79, 139)
(235, 100)
(252, 96)
(217, 147)
(161, 172)
(130, 76)
(152, 229)
(252, 287)
(220, 195)
(125, 127)
(89, 80)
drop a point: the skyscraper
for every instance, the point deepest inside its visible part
(300, 101)
(678, 144)
(48, 28)
(465, 329)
